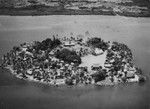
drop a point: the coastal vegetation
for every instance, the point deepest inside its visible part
(133, 8)
(72, 61)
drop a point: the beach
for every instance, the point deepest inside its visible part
(132, 31)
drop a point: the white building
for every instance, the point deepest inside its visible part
(98, 51)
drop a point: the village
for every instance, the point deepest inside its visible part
(73, 61)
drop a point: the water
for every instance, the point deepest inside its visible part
(19, 94)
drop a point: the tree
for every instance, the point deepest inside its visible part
(99, 76)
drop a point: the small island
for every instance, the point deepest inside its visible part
(72, 61)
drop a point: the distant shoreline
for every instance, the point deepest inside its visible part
(36, 12)
(48, 10)
(67, 13)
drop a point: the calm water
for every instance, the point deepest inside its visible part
(19, 94)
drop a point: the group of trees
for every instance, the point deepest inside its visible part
(68, 56)
(97, 43)
(47, 44)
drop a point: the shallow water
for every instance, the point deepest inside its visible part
(19, 94)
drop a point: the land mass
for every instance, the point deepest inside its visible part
(132, 8)
(72, 61)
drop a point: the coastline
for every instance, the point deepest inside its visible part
(129, 8)
(29, 80)
(68, 12)
(36, 81)
(33, 80)
(77, 94)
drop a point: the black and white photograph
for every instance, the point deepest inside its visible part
(74, 54)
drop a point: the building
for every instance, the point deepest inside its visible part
(98, 51)
(69, 43)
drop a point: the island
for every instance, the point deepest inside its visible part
(73, 61)
(132, 8)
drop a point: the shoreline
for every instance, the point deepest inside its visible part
(46, 15)
(72, 61)
(68, 14)
(59, 85)
(30, 80)
(79, 8)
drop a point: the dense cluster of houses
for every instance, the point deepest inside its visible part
(43, 66)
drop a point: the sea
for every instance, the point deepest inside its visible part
(20, 94)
